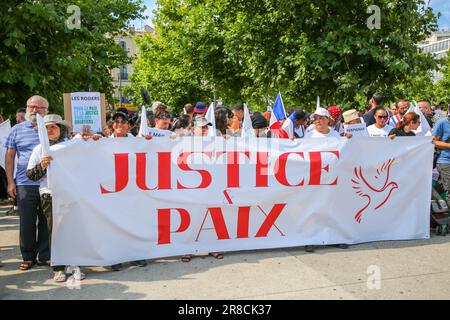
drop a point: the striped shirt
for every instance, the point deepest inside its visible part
(23, 138)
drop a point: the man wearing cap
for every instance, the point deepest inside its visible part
(321, 128)
(200, 126)
(200, 109)
(21, 141)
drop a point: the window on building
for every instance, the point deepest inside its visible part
(123, 73)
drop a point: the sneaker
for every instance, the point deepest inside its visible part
(116, 267)
(76, 273)
(140, 263)
(309, 249)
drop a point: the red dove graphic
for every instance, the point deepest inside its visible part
(379, 189)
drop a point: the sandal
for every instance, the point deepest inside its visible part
(27, 265)
(60, 276)
(44, 263)
(216, 255)
(186, 258)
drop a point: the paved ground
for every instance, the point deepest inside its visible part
(408, 270)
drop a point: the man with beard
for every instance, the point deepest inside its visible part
(402, 109)
(21, 141)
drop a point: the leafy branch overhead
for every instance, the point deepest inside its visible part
(248, 50)
(39, 54)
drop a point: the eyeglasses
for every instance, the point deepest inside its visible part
(382, 117)
(120, 121)
(36, 107)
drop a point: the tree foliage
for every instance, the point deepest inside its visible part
(39, 54)
(443, 85)
(250, 49)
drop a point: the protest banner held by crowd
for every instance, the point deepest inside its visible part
(186, 171)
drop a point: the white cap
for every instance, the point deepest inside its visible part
(322, 112)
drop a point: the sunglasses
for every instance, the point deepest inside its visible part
(382, 117)
(120, 121)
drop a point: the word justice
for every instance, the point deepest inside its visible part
(318, 162)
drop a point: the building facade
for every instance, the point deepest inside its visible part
(121, 76)
(439, 45)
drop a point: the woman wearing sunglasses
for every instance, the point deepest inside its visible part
(380, 128)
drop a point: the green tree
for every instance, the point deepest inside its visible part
(40, 54)
(443, 85)
(248, 50)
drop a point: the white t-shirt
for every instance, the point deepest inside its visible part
(316, 134)
(376, 132)
(159, 132)
(129, 135)
(312, 127)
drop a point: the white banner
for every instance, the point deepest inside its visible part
(126, 199)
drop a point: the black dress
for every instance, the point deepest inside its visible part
(401, 133)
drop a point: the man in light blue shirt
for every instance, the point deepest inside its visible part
(441, 133)
(21, 142)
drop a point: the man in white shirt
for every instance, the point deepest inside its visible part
(162, 123)
(380, 128)
(321, 129)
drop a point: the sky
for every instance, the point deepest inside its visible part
(442, 6)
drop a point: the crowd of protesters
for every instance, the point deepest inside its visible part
(29, 188)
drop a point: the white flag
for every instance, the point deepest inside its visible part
(143, 129)
(247, 128)
(43, 136)
(424, 128)
(210, 117)
(43, 139)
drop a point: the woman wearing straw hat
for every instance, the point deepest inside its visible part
(57, 130)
